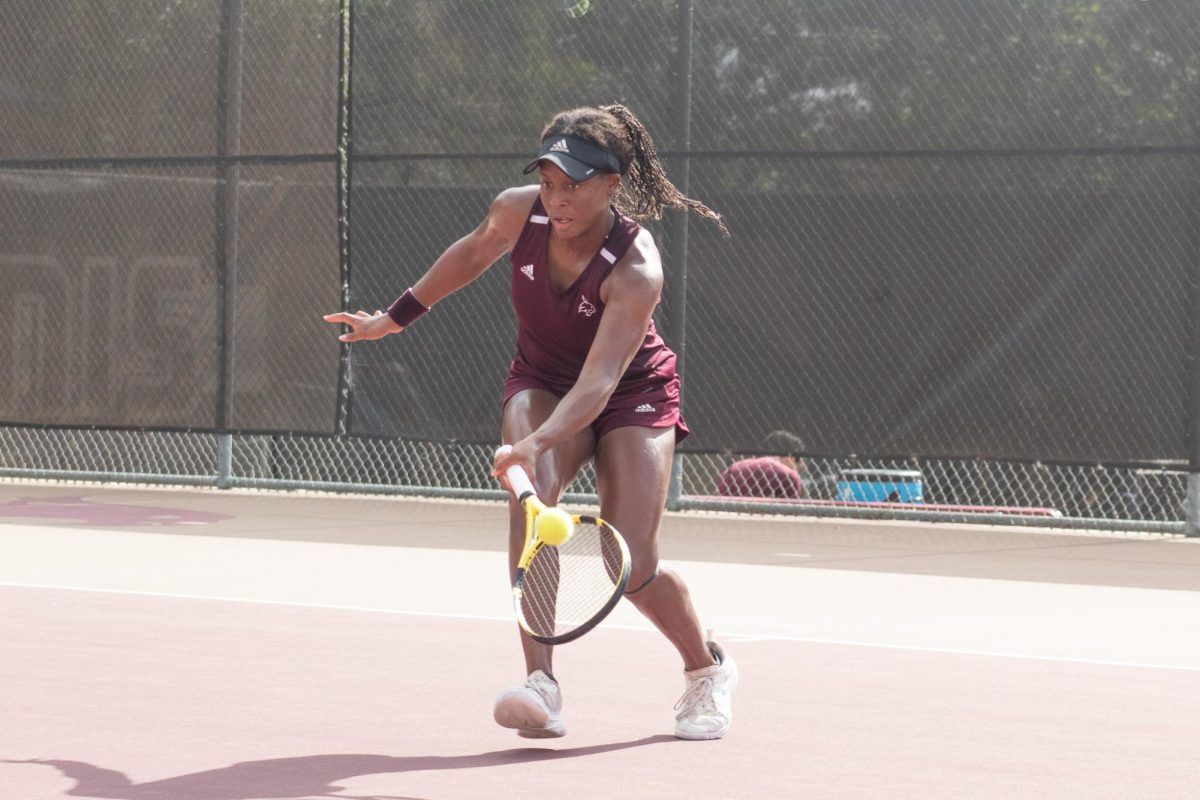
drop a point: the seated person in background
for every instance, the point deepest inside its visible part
(767, 476)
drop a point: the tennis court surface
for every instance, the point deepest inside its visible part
(202, 645)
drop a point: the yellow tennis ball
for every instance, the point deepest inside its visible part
(554, 526)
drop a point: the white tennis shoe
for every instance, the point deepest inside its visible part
(534, 709)
(706, 708)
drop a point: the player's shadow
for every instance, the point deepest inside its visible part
(300, 777)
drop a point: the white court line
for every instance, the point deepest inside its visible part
(733, 636)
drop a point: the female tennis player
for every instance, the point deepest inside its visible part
(591, 377)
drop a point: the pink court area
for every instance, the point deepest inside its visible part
(203, 645)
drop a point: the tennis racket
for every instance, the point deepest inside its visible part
(562, 592)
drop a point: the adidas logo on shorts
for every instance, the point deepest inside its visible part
(645, 408)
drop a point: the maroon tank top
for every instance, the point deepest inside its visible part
(556, 329)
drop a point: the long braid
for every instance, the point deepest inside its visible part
(649, 187)
(645, 189)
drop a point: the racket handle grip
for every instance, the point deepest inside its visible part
(517, 479)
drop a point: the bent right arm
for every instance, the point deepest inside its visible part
(460, 264)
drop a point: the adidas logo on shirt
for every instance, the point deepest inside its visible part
(560, 147)
(644, 408)
(527, 271)
(586, 308)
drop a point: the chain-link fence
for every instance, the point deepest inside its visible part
(1096, 496)
(963, 251)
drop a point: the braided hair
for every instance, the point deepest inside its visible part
(645, 188)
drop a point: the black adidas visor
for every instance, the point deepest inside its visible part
(579, 159)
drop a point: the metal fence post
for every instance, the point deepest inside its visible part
(1191, 514)
(1191, 522)
(677, 278)
(345, 145)
(229, 128)
(224, 460)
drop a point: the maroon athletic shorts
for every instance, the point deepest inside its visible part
(655, 405)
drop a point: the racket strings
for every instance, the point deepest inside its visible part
(540, 598)
(566, 586)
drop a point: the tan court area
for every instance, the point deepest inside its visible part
(204, 645)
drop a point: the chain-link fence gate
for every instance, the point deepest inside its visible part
(963, 252)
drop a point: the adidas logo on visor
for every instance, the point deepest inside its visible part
(559, 147)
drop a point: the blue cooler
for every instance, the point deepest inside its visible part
(881, 485)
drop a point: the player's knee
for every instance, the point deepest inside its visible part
(549, 490)
(642, 575)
